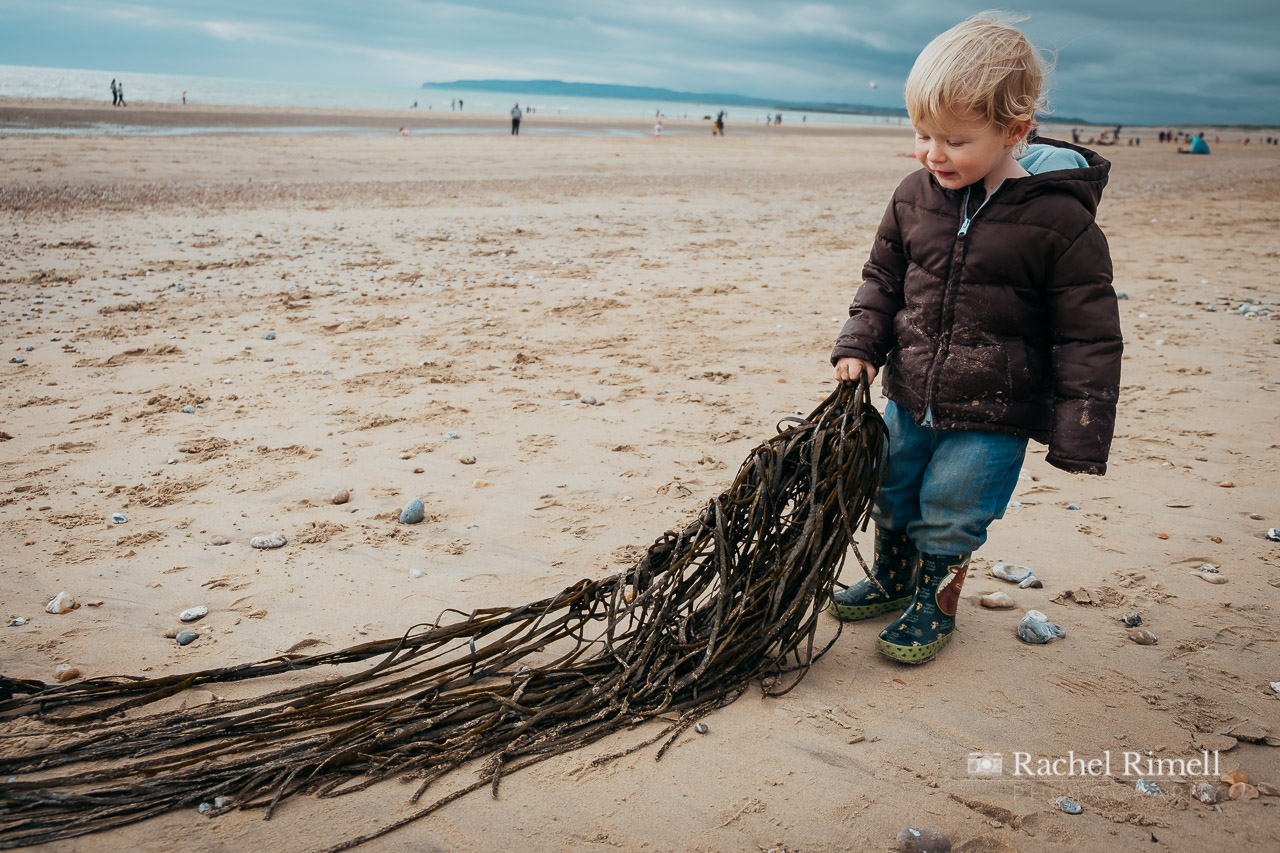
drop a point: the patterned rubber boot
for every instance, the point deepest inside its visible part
(930, 618)
(895, 569)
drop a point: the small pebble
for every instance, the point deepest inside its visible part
(566, 402)
(191, 614)
(268, 358)
(188, 410)
(1143, 637)
(1205, 792)
(451, 435)
(1031, 582)
(1073, 506)
(219, 540)
(413, 512)
(203, 807)
(1243, 791)
(1255, 516)
(1148, 786)
(271, 540)
(1275, 685)
(480, 484)
(1211, 577)
(1227, 484)
(997, 601)
(271, 336)
(1162, 535)
(1036, 628)
(119, 518)
(1133, 619)
(1069, 805)
(467, 460)
(340, 497)
(700, 728)
(61, 603)
(18, 622)
(185, 637)
(913, 840)
(67, 672)
(1273, 533)
(226, 382)
(173, 462)
(17, 359)
(1011, 572)
(417, 573)
(588, 399)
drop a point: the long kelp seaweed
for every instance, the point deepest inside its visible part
(733, 597)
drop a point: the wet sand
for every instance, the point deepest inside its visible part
(474, 283)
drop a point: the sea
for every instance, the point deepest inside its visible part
(19, 81)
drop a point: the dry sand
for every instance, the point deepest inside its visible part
(475, 283)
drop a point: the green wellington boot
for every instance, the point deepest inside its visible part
(930, 618)
(894, 568)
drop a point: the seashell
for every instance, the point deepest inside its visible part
(413, 512)
(340, 497)
(1068, 805)
(1235, 776)
(1162, 535)
(1273, 533)
(1211, 577)
(61, 603)
(1205, 792)
(1143, 637)
(701, 728)
(119, 518)
(997, 601)
(467, 460)
(67, 672)
(1148, 786)
(912, 840)
(1035, 628)
(271, 540)
(1243, 791)
(186, 637)
(1011, 572)
(191, 614)
(219, 540)
(1133, 618)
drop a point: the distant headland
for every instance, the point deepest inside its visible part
(608, 90)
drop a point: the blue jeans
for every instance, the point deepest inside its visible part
(945, 487)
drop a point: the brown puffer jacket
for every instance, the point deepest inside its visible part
(1009, 325)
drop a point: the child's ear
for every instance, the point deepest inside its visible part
(1017, 132)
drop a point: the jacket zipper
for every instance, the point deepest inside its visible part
(958, 252)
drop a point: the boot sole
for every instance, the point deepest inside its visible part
(859, 612)
(913, 655)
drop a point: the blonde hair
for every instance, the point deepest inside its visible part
(982, 67)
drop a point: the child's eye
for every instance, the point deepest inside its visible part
(954, 143)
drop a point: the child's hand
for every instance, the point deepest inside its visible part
(849, 369)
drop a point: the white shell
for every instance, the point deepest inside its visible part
(191, 614)
(271, 540)
(61, 603)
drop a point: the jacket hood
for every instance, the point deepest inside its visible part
(1058, 166)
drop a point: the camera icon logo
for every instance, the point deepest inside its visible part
(985, 764)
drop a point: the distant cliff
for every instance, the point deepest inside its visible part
(607, 90)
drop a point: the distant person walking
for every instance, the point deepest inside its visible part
(115, 94)
(459, 104)
(120, 95)
(657, 131)
(720, 122)
(516, 115)
(184, 96)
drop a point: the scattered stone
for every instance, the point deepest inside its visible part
(1243, 791)
(191, 614)
(1275, 685)
(17, 622)
(170, 634)
(61, 603)
(1143, 637)
(1011, 572)
(1162, 535)
(188, 410)
(451, 435)
(467, 460)
(1073, 506)
(701, 728)
(1035, 628)
(1148, 786)
(226, 382)
(1235, 776)
(119, 518)
(588, 400)
(996, 601)
(419, 470)
(1031, 582)
(417, 573)
(1205, 792)
(67, 672)
(1273, 533)
(1255, 516)
(271, 336)
(17, 359)
(413, 512)
(1120, 294)
(219, 540)
(340, 497)
(1068, 805)
(1211, 577)
(1227, 484)
(1133, 619)
(185, 638)
(271, 540)
(1267, 790)
(480, 484)
(258, 614)
(913, 840)
(1178, 503)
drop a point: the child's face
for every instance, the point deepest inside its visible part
(965, 151)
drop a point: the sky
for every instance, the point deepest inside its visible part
(1117, 61)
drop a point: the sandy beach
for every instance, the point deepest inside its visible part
(333, 307)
